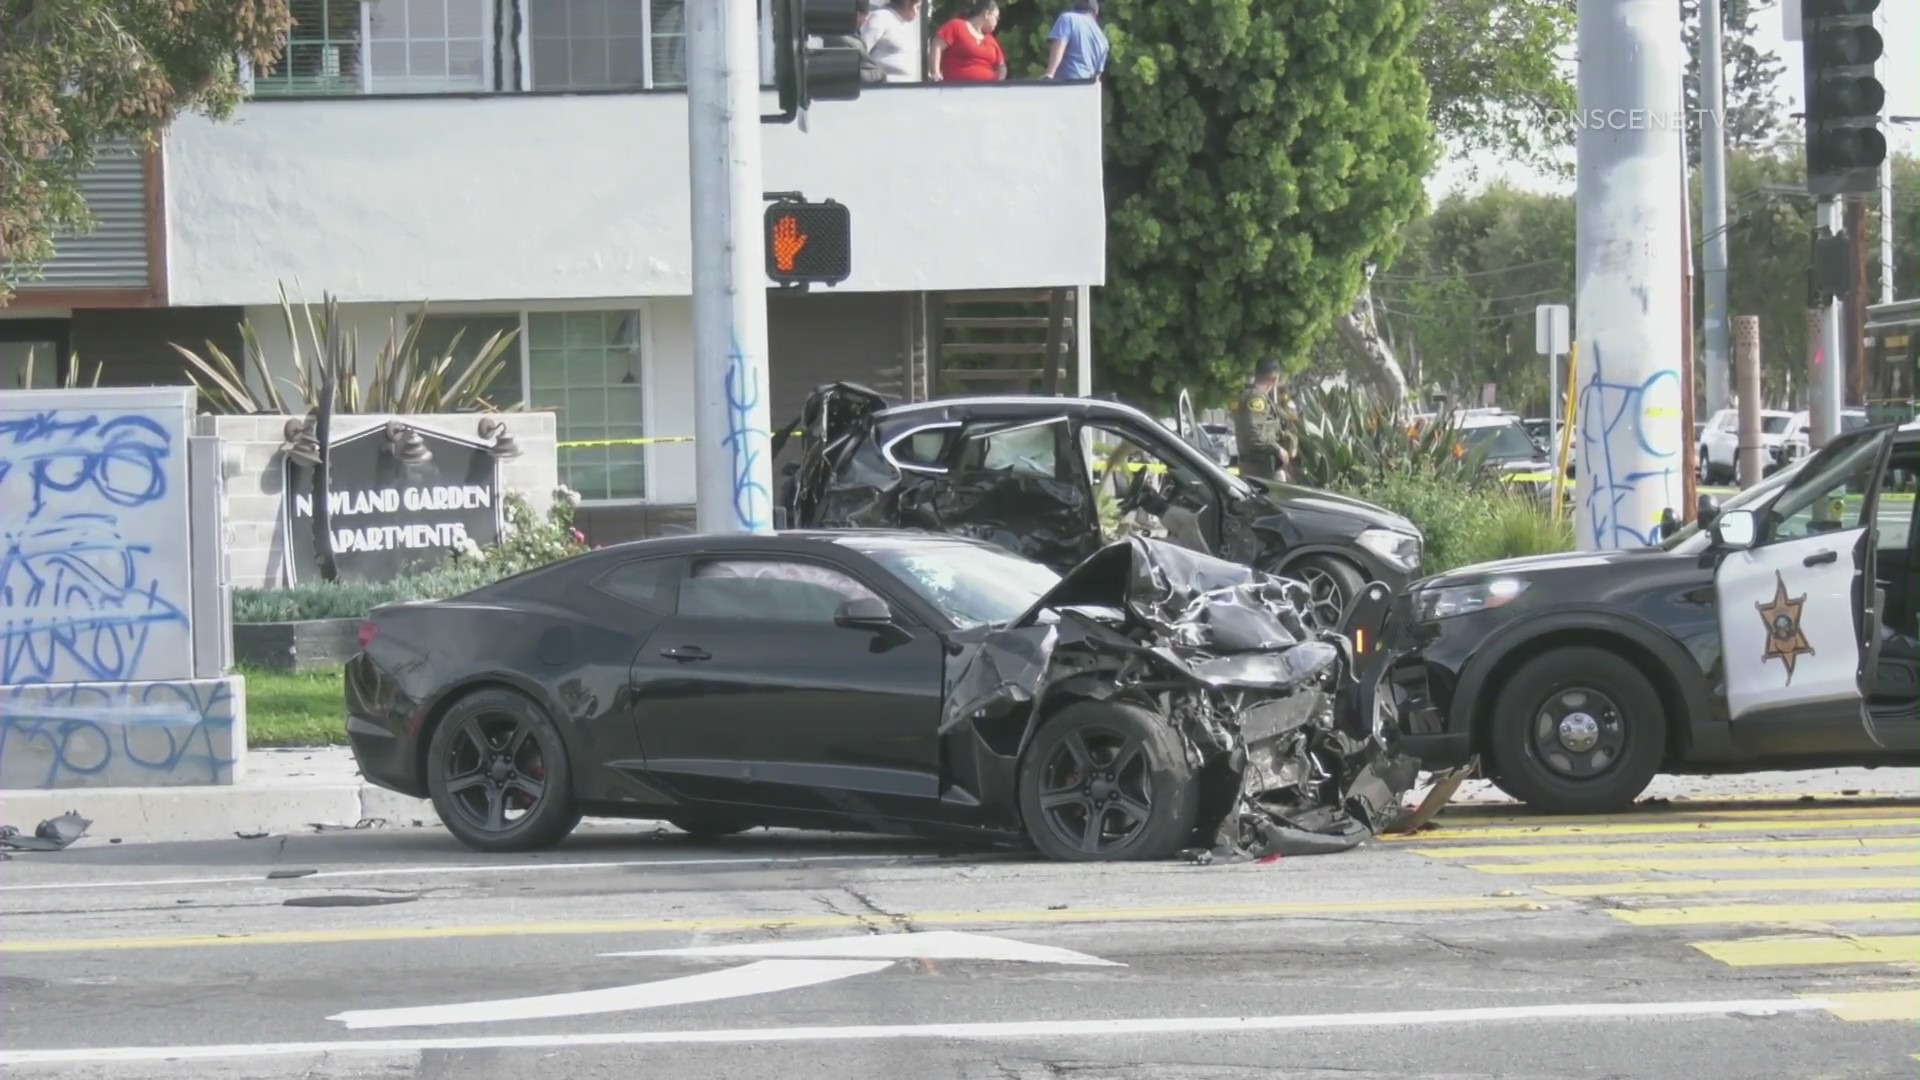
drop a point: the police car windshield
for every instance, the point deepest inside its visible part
(1746, 500)
(1499, 442)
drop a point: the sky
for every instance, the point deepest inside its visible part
(1899, 26)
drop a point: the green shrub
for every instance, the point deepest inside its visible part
(1467, 520)
(531, 539)
(1346, 437)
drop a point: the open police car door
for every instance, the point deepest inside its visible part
(1795, 592)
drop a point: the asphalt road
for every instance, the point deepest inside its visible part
(1740, 938)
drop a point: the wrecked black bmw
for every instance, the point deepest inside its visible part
(1055, 479)
(1151, 701)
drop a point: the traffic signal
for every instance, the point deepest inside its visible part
(805, 72)
(809, 243)
(1839, 47)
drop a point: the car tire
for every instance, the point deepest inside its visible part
(1153, 775)
(523, 766)
(1546, 746)
(702, 826)
(1332, 581)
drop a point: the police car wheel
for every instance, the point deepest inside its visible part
(1331, 583)
(1576, 730)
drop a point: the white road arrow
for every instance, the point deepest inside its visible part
(786, 965)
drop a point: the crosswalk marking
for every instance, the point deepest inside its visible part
(1656, 847)
(1734, 885)
(1722, 914)
(1732, 862)
(1874, 1005)
(1806, 950)
(1641, 827)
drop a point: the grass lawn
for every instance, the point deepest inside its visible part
(295, 709)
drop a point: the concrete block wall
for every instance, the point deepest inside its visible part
(250, 453)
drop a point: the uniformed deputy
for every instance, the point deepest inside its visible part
(1256, 424)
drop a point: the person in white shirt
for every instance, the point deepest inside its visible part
(892, 37)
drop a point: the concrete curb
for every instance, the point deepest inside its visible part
(155, 815)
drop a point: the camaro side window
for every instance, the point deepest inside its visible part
(647, 582)
(767, 589)
(1833, 497)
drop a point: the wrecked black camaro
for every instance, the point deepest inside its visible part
(1151, 701)
(1031, 474)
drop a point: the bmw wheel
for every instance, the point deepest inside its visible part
(1104, 782)
(1576, 731)
(1331, 583)
(499, 775)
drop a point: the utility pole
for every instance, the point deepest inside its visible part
(1630, 316)
(1856, 309)
(1750, 461)
(1713, 201)
(1827, 381)
(733, 459)
(1886, 231)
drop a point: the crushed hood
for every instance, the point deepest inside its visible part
(1220, 651)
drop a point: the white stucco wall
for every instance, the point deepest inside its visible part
(551, 196)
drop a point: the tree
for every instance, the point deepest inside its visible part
(1258, 157)
(1493, 69)
(1751, 114)
(78, 73)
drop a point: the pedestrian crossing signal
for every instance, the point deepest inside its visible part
(809, 243)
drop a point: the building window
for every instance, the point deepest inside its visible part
(586, 367)
(667, 25)
(437, 338)
(587, 44)
(323, 53)
(429, 46)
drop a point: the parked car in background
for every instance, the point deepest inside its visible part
(1719, 443)
(1802, 423)
(1034, 473)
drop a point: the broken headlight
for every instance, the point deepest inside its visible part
(1400, 549)
(1430, 604)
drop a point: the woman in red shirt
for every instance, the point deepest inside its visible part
(965, 49)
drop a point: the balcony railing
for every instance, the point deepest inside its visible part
(382, 47)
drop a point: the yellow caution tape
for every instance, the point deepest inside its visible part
(651, 440)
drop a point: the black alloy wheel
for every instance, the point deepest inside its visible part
(1331, 585)
(1577, 731)
(499, 775)
(1104, 782)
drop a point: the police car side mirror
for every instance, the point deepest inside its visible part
(1734, 530)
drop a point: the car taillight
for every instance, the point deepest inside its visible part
(368, 631)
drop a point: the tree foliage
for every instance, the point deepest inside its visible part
(77, 73)
(1493, 69)
(1459, 302)
(1751, 115)
(1258, 157)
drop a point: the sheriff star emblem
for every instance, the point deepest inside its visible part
(1786, 642)
(1257, 405)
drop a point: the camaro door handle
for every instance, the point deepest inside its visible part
(686, 652)
(1819, 558)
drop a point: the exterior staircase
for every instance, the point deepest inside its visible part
(999, 342)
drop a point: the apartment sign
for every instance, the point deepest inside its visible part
(394, 511)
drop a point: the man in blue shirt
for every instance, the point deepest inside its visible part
(1077, 47)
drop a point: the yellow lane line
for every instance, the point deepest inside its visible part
(1798, 950)
(1874, 1005)
(1727, 885)
(1645, 828)
(1468, 816)
(778, 922)
(1731, 862)
(1825, 843)
(1774, 914)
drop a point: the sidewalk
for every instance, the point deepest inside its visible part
(295, 790)
(283, 791)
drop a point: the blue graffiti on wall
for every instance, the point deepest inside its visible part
(1605, 406)
(78, 599)
(66, 735)
(752, 502)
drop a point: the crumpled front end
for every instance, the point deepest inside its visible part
(1291, 758)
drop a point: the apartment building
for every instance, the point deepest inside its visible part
(522, 165)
